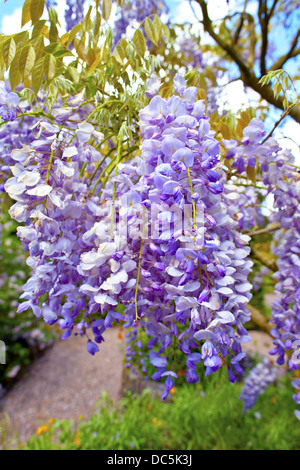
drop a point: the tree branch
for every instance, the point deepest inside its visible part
(293, 52)
(224, 45)
(247, 75)
(283, 115)
(271, 264)
(268, 229)
(272, 9)
(259, 319)
(264, 24)
(244, 16)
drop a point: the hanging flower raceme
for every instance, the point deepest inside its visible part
(193, 261)
(286, 247)
(8, 103)
(175, 259)
(280, 179)
(51, 199)
(260, 377)
(155, 246)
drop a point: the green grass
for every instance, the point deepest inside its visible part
(193, 419)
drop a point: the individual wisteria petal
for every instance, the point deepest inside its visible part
(152, 86)
(40, 190)
(92, 347)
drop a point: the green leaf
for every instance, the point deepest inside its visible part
(15, 76)
(36, 10)
(37, 75)
(26, 94)
(27, 59)
(8, 51)
(53, 15)
(166, 32)
(285, 104)
(63, 53)
(139, 42)
(251, 173)
(75, 75)
(73, 32)
(38, 29)
(90, 90)
(53, 33)
(118, 54)
(157, 26)
(64, 85)
(49, 66)
(106, 9)
(22, 37)
(277, 88)
(97, 24)
(149, 28)
(26, 15)
(286, 81)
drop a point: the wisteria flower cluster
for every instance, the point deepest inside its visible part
(166, 248)
(279, 180)
(260, 377)
(136, 10)
(8, 103)
(74, 13)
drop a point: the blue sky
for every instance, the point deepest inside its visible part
(8, 7)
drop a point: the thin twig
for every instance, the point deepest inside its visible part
(268, 229)
(284, 114)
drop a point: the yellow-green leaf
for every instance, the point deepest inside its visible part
(26, 15)
(36, 10)
(97, 24)
(49, 66)
(149, 28)
(251, 173)
(157, 26)
(53, 33)
(73, 32)
(118, 54)
(8, 51)
(15, 76)
(40, 28)
(27, 59)
(139, 42)
(75, 75)
(37, 75)
(106, 9)
(166, 31)
(94, 64)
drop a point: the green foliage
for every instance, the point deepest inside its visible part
(281, 83)
(194, 419)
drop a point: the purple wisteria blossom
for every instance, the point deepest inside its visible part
(136, 11)
(74, 13)
(259, 378)
(8, 103)
(280, 180)
(156, 241)
(203, 290)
